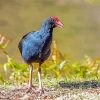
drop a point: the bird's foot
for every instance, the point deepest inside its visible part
(29, 88)
(41, 91)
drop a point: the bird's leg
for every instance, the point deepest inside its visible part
(30, 78)
(40, 80)
(39, 76)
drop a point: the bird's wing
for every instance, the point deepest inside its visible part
(21, 41)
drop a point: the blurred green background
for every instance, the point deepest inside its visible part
(81, 18)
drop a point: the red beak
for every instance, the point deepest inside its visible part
(59, 24)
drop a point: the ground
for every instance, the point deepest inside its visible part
(64, 91)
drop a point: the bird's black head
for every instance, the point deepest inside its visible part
(53, 22)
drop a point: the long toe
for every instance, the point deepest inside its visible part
(41, 91)
(30, 88)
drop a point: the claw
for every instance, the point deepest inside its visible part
(30, 88)
(41, 91)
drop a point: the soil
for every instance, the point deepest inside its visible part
(72, 91)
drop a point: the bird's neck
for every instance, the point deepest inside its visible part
(46, 31)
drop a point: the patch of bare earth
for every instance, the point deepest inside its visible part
(53, 94)
(62, 92)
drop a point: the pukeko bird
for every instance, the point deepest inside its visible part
(35, 46)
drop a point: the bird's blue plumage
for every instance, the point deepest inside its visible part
(35, 46)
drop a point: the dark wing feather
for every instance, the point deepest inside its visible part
(20, 43)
